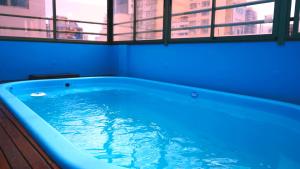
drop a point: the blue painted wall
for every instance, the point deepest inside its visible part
(19, 59)
(261, 69)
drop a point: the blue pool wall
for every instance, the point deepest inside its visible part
(262, 69)
(19, 59)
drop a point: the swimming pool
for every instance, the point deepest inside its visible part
(115, 122)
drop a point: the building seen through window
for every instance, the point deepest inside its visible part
(194, 25)
(15, 3)
(81, 20)
(198, 22)
(123, 20)
(75, 20)
(149, 19)
(26, 27)
(138, 19)
(261, 15)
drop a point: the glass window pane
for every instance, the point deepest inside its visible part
(262, 12)
(179, 6)
(87, 10)
(26, 23)
(147, 11)
(190, 22)
(149, 36)
(38, 8)
(123, 37)
(67, 25)
(123, 28)
(81, 36)
(253, 29)
(232, 2)
(3, 2)
(72, 30)
(25, 33)
(123, 19)
(72, 13)
(123, 32)
(149, 29)
(20, 3)
(15, 3)
(26, 27)
(191, 33)
(197, 24)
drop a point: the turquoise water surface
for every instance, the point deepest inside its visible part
(155, 129)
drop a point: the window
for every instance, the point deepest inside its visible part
(15, 3)
(146, 20)
(233, 18)
(26, 18)
(205, 13)
(123, 20)
(204, 22)
(148, 17)
(205, 31)
(193, 5)
(20, 3)
(76, 20)
(196, 22)
(3, 2)
(34, 19)
(184, 19)
(206, 3)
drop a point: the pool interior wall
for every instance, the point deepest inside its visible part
(261, 69)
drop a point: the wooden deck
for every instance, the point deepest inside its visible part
(17, 149)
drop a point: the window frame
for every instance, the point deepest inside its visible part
(279, 32)
(240, 38)
(54, 30)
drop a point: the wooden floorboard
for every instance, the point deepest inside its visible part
(18, 149)
(3, 161)
(13, 155)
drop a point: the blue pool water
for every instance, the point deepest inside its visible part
(141, 128)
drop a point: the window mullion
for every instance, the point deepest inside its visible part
(276, 20)
(167, 21)
(110, 21)
(283, 14)
(134, 19)
(54, 19)
(213, 15)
